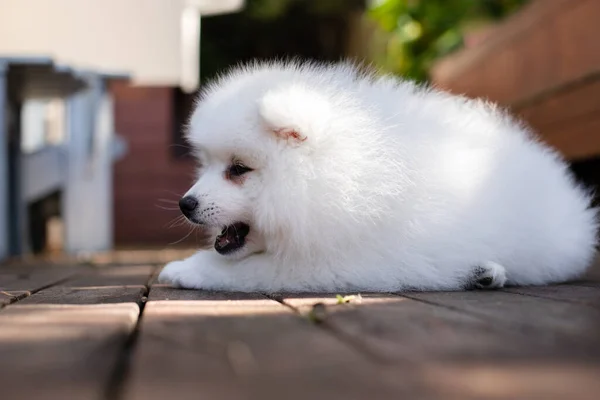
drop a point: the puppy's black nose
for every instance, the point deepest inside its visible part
(187, 205)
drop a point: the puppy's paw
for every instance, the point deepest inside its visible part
(488, 275)
(179, 274)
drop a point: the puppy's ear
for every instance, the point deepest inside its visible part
(289, 134)
(294, 114)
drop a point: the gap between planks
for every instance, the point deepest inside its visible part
(118, 378)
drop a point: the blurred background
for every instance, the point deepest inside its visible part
(94, 93)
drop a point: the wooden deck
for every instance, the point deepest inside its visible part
(108, 332)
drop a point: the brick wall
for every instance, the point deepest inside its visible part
(149, 172)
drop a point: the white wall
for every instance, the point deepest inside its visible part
(138, 36)
(146, 39)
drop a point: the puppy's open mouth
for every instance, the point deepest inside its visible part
(232, 238)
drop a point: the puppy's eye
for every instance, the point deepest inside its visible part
(236, 170)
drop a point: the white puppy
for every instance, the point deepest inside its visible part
(321, 178)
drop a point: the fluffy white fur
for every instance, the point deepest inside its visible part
(386, 186)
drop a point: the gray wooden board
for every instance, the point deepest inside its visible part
(452, 348)
(581, 294)
(565, 323)
(586, 283)
(396, 329)
(114, 276)
(17, 283)
(98, 286)
(68, 339)
(61, 351)
(201, 345)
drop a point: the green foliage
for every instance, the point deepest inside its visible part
(267, 9)
(417, 32)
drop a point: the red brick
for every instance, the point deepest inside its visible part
(149, 172)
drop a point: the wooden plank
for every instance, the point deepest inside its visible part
(98, 286)
(395, 329)
(572, 325)
(501, 380)
(578, 141)
(591, 284)
(456, 352)
(434, 333)
(567, 107)
(69, 339)
(17, 283)
(30, 278)
(116, 276)
(210, 346)
(69, 351)
(569, 120)
(588, 295)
